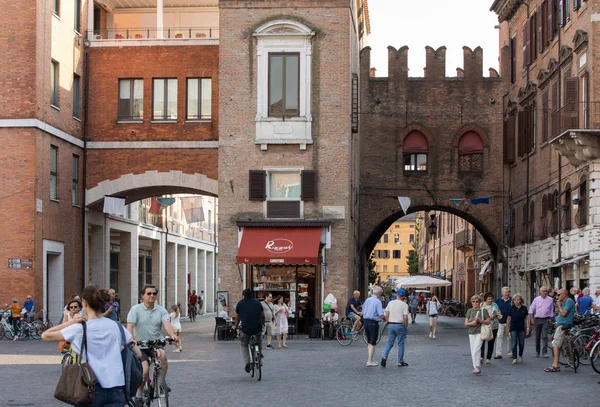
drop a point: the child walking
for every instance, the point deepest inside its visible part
(176, 324)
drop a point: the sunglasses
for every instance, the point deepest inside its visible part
(74, 307)
(477, 301)
(152, 293)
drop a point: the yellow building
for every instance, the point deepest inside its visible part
(391, 251)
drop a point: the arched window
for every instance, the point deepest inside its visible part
(567, 208)
(544, 218)
(553, 205)
(582, 204)
(470, 153)
(415, 149)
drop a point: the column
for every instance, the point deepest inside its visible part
(593, 220)
(90, 20)
(128, 271)
(209, 293)
(171, 275)
(202, 276)
(99, 256)
(182, 268)
(157, 266)
(193, 269)
(159, 19)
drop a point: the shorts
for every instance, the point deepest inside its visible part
(413, 309)
(433, 316)
(372, 331)
(146, 353)
(177, 331)
(352, 315)
(559, 337)
(268, 329)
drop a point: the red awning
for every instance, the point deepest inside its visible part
(279, 246)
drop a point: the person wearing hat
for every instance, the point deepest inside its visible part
(396, 314)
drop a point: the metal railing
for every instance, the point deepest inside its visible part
(576, 115)
(139, 33)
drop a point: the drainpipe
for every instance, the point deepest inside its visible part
(559, 209)
(86, 63)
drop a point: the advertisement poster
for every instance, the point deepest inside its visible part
(222, 300)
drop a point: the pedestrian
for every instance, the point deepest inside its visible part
(596, 304)
(413, 302)
(175, 316)
(118, 301)
(193, 300)
(564, 321)
(280, 327)
(15, 314)
(267, 305)
(541, 311)
(251, 314)
(504, 302)
(476, 316)
(433, 307)
(396, 315)
(517, 322)
(494, 312)
(421, 302)
(103, 346)
(584, 304)
(111, 308)
(201, 302)
(372, 313)
(29, 306)
(74, 307)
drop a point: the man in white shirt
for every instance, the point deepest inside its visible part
(396, 314)
(330, 320)
(596, 304)
(225, 313)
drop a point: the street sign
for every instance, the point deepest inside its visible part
(20, 263)
(461, 277)
(462, 271)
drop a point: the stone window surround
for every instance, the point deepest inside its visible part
(271, 170)
(283, 36)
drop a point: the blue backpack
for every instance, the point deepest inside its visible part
(132, 368)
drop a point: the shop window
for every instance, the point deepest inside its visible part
(582, 203)
(397, 254)
(131, 99)
(164, 99)
(415, 149)
(566, 207)
(199, 99)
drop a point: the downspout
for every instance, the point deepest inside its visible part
(528, 157)
(86, 62)
(558, 208)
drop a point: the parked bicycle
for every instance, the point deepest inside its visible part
(568, 354)
(155, 391)
(22, 332)
(255, 359)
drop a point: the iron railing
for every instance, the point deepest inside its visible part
(576, 115)
(139, 33)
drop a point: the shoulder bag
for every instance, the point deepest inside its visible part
(77, 384)
(486, 330)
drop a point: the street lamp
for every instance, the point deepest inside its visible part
(432, 231)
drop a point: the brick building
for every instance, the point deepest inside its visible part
(551, 120)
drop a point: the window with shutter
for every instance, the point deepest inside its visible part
(561, 13)
(470, 153)
(513, 225)
(526, 52)
(540, 29)
(567, 208)
(532, 128)
(545, 38)
(283, 209)
(309, 185)
(513, 60)
(283, 193)
(543, 218)
(552, 18)
(582, 205)
(509, 140)
(531, 227)
(555, 115)
(572, 102)
(545, 116)
(533, 47)
(257, 185)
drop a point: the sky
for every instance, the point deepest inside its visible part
(452, 23)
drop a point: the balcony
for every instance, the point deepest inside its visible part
(122, 36)
(576, 131)
(465, 240)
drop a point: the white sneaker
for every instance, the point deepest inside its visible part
(509, 355)
(371, 364)
(430, 334)
(433, 336)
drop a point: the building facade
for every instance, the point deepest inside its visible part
(391, 252)
(551, 154)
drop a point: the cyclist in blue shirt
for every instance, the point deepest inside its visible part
(584, 304)
(565, 307)
(29, 305)
(250, 312)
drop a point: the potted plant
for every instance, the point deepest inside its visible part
(138, 36)
(200, 35)
(179, 35)
(119, 36)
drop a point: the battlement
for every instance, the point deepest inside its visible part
(435, 64)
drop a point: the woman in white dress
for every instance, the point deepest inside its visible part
(281, 312)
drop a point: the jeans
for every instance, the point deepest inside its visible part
(475, 343)
(518, 338)
(113, 397)
(244, 341)
(395, 331)
(541, 331)
(490, 345)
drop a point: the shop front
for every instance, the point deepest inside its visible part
(287, 262)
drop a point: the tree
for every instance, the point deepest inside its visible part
(372, 272)
(413, 262)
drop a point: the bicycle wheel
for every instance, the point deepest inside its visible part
(579, 344)
(38, 328)
(9, 333)
(252, 359)
(343, 334)
(161, 392)
(383, 332)
(1, 331)
(258, 363)
(595, 357)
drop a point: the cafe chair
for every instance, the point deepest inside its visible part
(220, 329)
(292, 328)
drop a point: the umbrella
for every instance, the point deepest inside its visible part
(423, 281)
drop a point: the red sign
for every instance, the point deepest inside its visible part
(285, 246)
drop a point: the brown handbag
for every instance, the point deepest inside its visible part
(77, 384)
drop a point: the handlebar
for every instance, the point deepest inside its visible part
(155, 342)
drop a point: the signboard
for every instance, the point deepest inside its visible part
(20, 263)
(461, 277)
(334, 212)
(462, 271)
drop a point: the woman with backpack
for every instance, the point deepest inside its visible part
(103, 346)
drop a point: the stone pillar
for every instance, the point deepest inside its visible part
(593, 220)
(209, 293)
(202, 276)
(99, 256)
(90, 20)
(193, 268)
(171, 275)
(157, 265)
(182, 267)
(159, 19)
(128, 271)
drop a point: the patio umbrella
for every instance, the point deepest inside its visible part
(423, 282)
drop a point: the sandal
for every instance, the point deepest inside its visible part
(402, 364)
(552, 369)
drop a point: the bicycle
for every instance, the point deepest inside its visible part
(22, 331)
(568, 354)
(595, 356)
(255, 358)
(345, 336)
(155, 388)
(192, 312)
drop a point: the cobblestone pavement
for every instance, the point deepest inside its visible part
(323, 373)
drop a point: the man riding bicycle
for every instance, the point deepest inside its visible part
(353, 310)
(144, 323)
(193, 300)
(250, 312)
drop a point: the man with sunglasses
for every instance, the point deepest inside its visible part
(144, 323)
